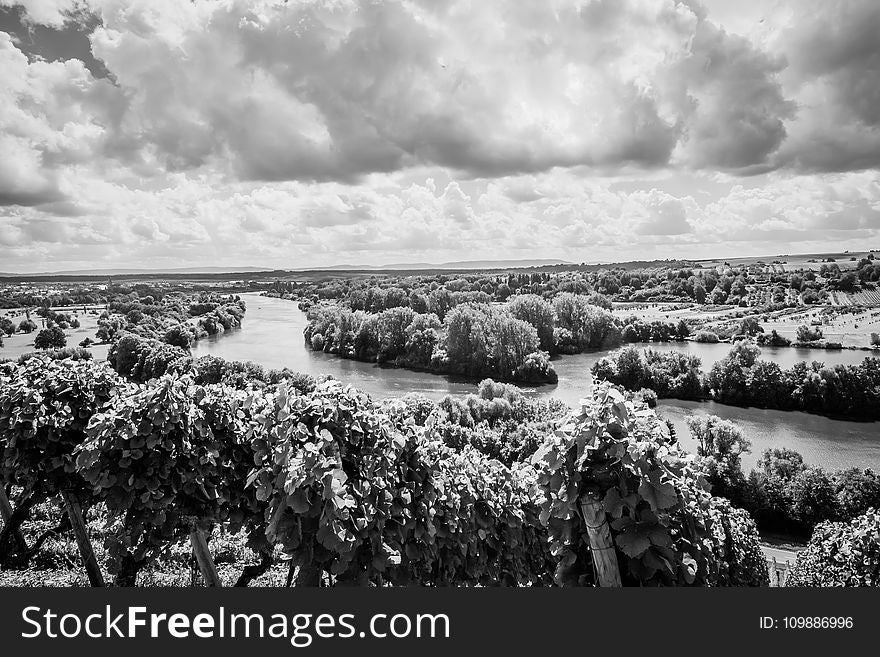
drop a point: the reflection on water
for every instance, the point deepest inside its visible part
(272, 336)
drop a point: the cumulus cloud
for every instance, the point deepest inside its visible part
(306, 130)
(53, 13)
(52, 116)
(334, 91)
(834, 73)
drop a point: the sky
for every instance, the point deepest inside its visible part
(292, 134)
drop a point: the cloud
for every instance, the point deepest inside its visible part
(661, 214)
(314, 131)
(834, 75)
(52, 116)
(335, 91)
(52, 13)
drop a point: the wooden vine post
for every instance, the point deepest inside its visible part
(601, 543)
(77, 523)
(203, 556)
(6, 514)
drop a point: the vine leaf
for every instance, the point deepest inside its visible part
(660, 495)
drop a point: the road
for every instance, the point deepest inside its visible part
(781, 555)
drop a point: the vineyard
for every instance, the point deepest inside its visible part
(347, 491)
(868, 297)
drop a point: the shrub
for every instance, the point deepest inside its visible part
(45, 407)
(773, 339)
(168, 458)
(667, 530)
(841, 554)
(142, 359)
(706, 336)
(72, 353)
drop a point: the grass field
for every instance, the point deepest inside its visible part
(22, 343)
(851, 327)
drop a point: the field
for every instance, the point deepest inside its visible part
(21, 343)
(845, 260)
(850, 326)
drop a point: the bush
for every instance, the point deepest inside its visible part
(706, 336)
(45, 407)
(317, 342)
(142, 359)
(667, 530)
(773, 339)
(537, 368)
(738, 548)
(72, 353)
(841, 554)
(168, 458)
(352, 493)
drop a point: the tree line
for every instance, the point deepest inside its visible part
(737, 285)
(742, 378)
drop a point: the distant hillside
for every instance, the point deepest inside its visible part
(140, 272)
(460, 264)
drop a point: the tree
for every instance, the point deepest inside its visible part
(27, 326)
(50, 338)
(630, 334)
(538, 312)
(721, 444)
(179, 336)
(808, 334)
(422, 335)
(418, 302)
(590, 325)
(466, 338)
(857, 490)
(392, 332)
(749, 326)
(7, 326)
(682, 330)
(812, 496)
(728, 376)
(511, 341)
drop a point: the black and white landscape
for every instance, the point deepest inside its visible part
(440, 293)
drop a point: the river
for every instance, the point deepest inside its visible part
(272, 336)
